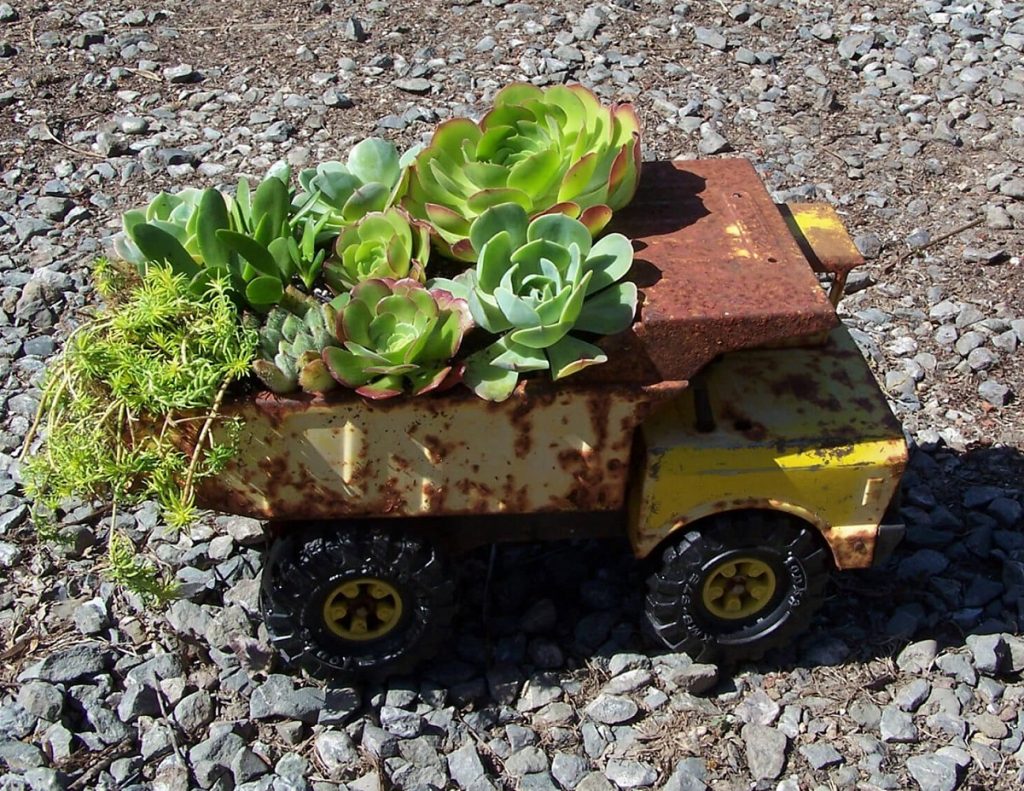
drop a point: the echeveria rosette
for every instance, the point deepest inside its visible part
(553, 150)
(537, 284)
(370, 180)
(291, 346)
(380, 245)
(398, 337)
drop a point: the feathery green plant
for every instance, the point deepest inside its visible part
(131, 381)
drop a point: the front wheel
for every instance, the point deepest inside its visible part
(355, 600)
(746, 582)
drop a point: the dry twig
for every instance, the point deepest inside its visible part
(937, 240)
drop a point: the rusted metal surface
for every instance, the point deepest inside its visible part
(717, 267)
(547, 448)
(806, 431)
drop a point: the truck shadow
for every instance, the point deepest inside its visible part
(559, 607)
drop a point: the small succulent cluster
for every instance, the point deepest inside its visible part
(291, 348)
(337, 269)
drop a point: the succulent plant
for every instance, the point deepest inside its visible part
(368, 181)
(537, 284)
(554, 150)
(381, 244)
(397, 336)
(291, 346)
(250, 240)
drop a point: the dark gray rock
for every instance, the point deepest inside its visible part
(465, 766)
(526, 761)
(182, 73)
(629, 773)
(821, 756)
(278, 697)
(336, 750)
(918, 657)
(709, 37)
(402, 723)
(71, 664)
(20, 756)
(194, 712)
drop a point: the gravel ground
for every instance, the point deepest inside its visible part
(908, 121)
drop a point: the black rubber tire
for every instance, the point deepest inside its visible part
(305, 565)
(675, 616)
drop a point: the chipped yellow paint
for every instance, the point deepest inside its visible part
(831, 456)
(817, 217)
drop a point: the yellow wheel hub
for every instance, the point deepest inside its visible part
(738, 588)
(363, 609)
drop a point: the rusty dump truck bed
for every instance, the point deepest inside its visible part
(718, 267)
(718, 271)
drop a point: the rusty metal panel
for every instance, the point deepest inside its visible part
(547, 448)
(717, 267)
(806, 431)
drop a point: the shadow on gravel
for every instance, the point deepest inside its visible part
(960, 571)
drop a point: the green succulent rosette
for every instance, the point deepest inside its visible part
(398, 337)
(380, 245)
(340, 193)
(553, 150)
(290, 349)
(538, 285)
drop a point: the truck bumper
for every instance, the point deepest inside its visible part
(889, 536)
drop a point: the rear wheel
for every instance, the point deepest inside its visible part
(747, 582)
(350, 601)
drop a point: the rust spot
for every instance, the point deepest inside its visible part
(852, 547)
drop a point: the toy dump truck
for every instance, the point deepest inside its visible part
(735, 435)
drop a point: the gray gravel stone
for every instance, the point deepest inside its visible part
(70, 664)
(182, 73)
(689, 774)
(194, 712)
(918, 657)
(277, 697)
(758, 708)
(996, 393)
(611, 709)
(568, 769)
(42, 700)
(336, 750)
(526, 761)
(897, 727)
(765, 750)
(933, 772)
(627, 773)
(821, 756)
(710, 37)
(465, 766)
(402, 723)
